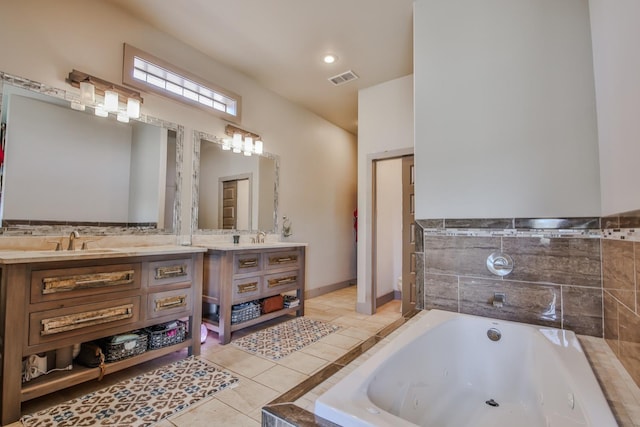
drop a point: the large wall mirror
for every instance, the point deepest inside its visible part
(233, 191)
(64, 167)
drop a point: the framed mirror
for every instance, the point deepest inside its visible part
(64, 167)
(233, 192)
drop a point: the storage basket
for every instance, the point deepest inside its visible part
(244, 312)
(271, 304)
(120, 347)
(167, 334)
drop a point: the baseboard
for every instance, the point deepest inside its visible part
(312, 293)
(383, 299)
(397, 295)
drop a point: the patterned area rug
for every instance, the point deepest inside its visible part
(281, 340)
(140, 401)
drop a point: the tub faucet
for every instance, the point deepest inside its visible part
(72, 240)
(499, 299)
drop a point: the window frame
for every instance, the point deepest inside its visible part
(130, 53)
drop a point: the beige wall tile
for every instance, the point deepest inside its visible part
(582, 310)
(618, 270)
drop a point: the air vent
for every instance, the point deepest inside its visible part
(343, 78)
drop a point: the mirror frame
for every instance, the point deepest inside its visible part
(42, 89)
(198, 136)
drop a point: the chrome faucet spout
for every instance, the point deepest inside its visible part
(260, 237)
(72, 240)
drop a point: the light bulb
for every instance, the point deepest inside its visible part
(133, 108)
(100, 111)
(87, 93)
(237, 142)
(226, 144)
(248, 145)
(77, 105)
(257, 147)
(122, 117)
(110, 101)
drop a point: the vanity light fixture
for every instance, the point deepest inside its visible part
(90, 86)
(243, 141)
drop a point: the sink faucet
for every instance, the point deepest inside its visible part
(260, 237)
(72, 240)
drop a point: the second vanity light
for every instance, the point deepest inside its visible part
(242, 141)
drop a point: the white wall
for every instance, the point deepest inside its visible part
(388, 225)
(45, 40)
(99, 168)
(505, 109)
(385, 129)
(615, 28)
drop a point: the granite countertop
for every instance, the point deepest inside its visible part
(9, 256)
(225, 246)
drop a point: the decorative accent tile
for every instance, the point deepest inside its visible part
(557, 223)
(496, 223)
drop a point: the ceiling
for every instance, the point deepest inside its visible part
(281, 43)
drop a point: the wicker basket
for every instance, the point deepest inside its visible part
(244, 312)
(167, 334)
(114, 351)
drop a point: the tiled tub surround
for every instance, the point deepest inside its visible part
(621, 283)
(584, 279)
(556, 280)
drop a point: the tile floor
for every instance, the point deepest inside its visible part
(262, 380)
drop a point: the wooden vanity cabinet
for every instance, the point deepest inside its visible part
(55, 304)
(237, 276)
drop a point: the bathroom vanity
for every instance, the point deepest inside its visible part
(52, 300)
(236, 274)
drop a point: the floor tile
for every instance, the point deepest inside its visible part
(280, 378)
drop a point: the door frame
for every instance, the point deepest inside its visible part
(370, 289)
(237, 177)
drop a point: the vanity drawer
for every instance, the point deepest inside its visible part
(50, 325)
(171, 271)
(176, 302)
(281, 281)
(247, 263)
(246, 289)
(54, 284)
(273, 260)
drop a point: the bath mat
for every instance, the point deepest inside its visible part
(281, 340)
(140, 401)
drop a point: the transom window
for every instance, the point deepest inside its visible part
(146, 72)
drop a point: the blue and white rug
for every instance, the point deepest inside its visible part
(281, 340)
(140, 401)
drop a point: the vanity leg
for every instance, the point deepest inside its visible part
(195, 319)
(13, 301)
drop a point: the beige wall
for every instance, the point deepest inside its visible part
(44, 40)
(505, 109)
(385, 129)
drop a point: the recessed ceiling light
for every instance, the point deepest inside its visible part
(330, 58)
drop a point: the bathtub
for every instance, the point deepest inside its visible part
(444, 370)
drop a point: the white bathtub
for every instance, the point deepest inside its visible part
(444, 371)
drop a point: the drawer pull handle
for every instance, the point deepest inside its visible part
(52, 285)
(283, 260)
(248, 263)
(171, 271)
(171, 302)
(282, 281)
(247, 287)
(70, 322)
